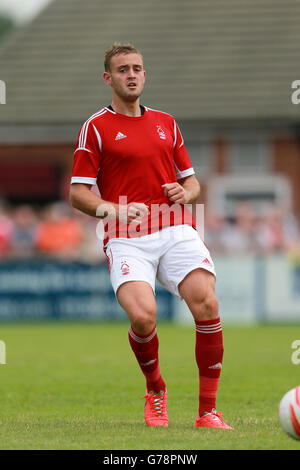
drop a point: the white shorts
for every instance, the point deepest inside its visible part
(167, 255)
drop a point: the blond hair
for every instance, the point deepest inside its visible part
(116, 49)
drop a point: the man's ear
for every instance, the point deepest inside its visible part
(107, 78)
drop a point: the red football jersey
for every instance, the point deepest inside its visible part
(131, 158)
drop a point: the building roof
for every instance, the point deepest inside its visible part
(205, 60)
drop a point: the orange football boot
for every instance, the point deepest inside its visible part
(211, 420)
(156, 408)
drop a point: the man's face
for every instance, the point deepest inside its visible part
(126, 76)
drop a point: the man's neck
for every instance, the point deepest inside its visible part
(132, 109)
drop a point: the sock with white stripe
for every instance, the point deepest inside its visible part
(209, 357)
(145, 348)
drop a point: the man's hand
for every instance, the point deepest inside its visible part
(126, 213)
(176, 193)
(132, 213)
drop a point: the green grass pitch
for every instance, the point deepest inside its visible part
(77, 386)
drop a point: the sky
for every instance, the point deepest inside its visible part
(23, 10)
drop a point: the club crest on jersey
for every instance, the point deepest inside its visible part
(161, 132)
(124, 268)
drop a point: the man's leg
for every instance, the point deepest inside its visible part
(198, 290)
(138, 301)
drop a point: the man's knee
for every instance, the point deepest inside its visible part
(142, 315)
(205, 308)
(137, 299)
(143, 320)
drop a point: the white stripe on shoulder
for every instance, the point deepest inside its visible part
(94, 116)
(158, 111)
(175, 133)
(83, 128)
(182, 141)
(82, 137)
(98, 138)
(110, 110)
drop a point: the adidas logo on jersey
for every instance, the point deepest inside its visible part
(120, 136)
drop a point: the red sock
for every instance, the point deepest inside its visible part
(209, 356)
(145, 348)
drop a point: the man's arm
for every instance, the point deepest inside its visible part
(185, 192)
(83, 199)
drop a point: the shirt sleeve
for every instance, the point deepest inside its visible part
(87, 155)
(182, 163)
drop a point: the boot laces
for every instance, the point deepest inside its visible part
(157, 400)
(216, 415)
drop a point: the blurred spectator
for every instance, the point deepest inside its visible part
(60, 231)
(249, 233)
(91, 248)
(6, 229)
(213, 231)
(277, 230)
(59, 234)
(23, 236)
(240, 236)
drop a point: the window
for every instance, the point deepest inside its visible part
(249, 157)
(201, 156)
(225, 192)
